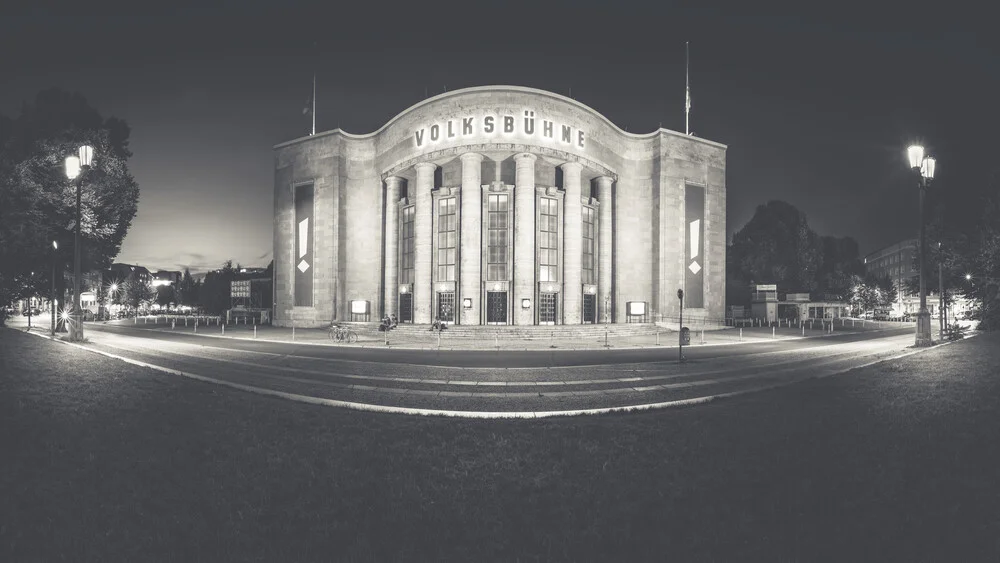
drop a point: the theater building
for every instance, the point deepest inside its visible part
(499, 205)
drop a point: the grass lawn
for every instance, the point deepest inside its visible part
(104, 461)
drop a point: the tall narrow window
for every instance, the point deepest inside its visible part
(406, 250)
(548, 239)
(587, 264)
(496, 247)
(447, 224)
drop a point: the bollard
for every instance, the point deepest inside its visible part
(657, 338)
(496, 340)
(255, 334)
(439, 338)
(772, 332)
(702, 335)
(803, 330)
(173, 322)
(293, 334)
(741, 334)
(852, 323)
(196, 325)
(223, 330)
(185, 321)
(606, 345)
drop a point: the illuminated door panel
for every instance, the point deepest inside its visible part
(496, 307)
(406, 307)
(589, 309)
(547, 309)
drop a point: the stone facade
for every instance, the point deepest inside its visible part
(532, 147)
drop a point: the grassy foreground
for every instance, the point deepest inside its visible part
(103, 461)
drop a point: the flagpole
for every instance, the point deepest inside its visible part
(687, 90)
(314, 104)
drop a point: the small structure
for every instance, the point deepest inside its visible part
(766, 304)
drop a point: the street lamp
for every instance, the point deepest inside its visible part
(76, 167)
(923, 166)
(52, 300)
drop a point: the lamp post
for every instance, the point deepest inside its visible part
(52, 300)
(76, 167)
(942, 300)
(923, 167)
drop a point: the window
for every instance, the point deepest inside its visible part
(587, 266)
(447, 225)
(548, 239)
(406, 254)
(496, 244)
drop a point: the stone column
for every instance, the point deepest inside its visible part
(422, 249)
(605, 245)
(572, 244)
(392, 188)
(524, 238)
(471, 246)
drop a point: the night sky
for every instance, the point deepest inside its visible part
(815, 110)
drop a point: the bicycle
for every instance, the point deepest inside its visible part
(342, 334)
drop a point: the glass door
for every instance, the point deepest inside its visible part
(547, 312)
(496, 307)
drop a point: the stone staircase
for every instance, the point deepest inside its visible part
(526, 332)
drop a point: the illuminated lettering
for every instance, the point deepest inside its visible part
(449, 129)
(529, 122)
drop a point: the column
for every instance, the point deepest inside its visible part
(422, 248)
(524, 238)
(391, 284)
(604, 289)
(471, 246)
(572, 243)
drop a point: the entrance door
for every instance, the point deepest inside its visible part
(406, 307)
(496, 307)
(589, 308)
(547, 312)
(446, 306)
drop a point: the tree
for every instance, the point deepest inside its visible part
(38, 202)
(138, 294)
(214, 294)
(187, 290)
(776, 246)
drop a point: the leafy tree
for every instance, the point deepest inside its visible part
(214, 294)
(38, 202)
(138, 294)
(167, 294)
(188, 289)
(776, 246)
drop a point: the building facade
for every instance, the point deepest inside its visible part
(898, 262)
(498, 205)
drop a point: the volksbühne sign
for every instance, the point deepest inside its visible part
(492, 124)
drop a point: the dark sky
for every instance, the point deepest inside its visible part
(816, 109)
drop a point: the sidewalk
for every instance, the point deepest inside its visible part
(498, 341)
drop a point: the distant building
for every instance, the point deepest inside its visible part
(897, 262)
(166, 277)
(121, 272)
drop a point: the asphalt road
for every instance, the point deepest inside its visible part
(470, 381)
